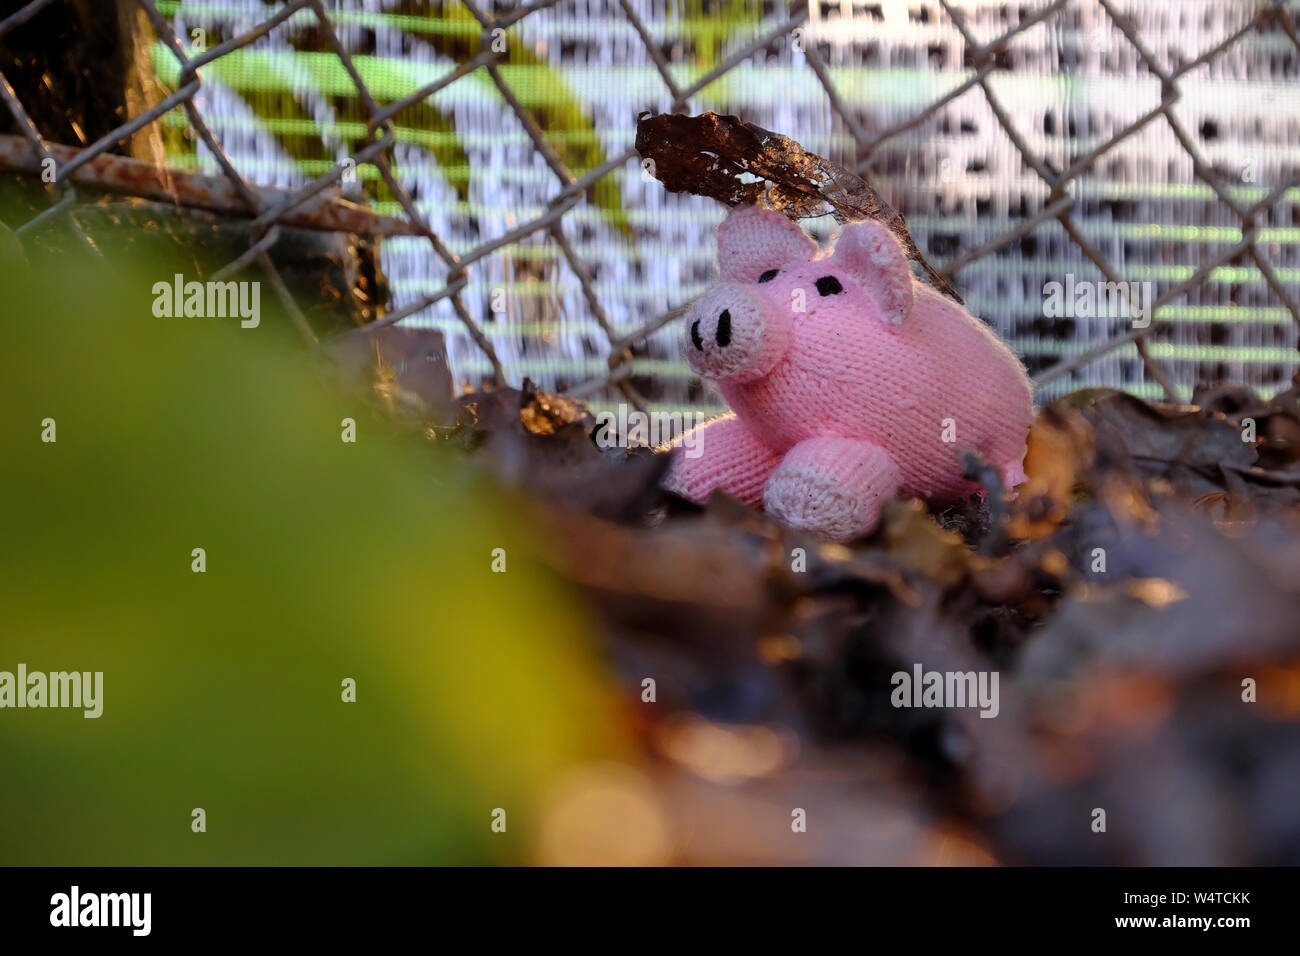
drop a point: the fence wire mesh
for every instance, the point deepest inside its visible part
(1171, 167)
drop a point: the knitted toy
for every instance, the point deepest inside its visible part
(850, 382)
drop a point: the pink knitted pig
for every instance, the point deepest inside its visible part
(851, 382)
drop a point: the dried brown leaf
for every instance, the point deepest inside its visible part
(738, 163)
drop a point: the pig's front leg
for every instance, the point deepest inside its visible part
(720, 455)
(834, 487)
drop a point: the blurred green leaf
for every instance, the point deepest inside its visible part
(325, 560)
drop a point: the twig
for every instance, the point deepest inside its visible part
(133, 177)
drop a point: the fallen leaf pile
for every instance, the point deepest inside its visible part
(1143, 580)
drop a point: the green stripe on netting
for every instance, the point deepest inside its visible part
(698, 27)
(905, 91)
(986, 227)
(1249, 355)
(281, 70)
(1085, 187)
(645, 292)
(667, 369)
(1047, 270)
(433, 139)
(1061, 387)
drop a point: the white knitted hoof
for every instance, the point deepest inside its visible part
(808, 501)
(834, 487)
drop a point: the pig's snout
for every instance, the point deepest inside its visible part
(732, 333)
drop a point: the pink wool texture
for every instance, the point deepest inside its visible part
(850, 382)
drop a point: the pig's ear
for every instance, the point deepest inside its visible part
(872, 257)
(753, 240)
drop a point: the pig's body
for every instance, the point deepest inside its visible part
(872, 389)
(852, 376)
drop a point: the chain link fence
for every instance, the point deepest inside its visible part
(1253, 224)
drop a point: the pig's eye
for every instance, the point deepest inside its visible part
(829, 285)
(768, 276)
